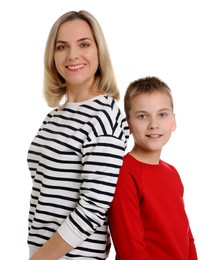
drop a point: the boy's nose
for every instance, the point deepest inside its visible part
(153, 124)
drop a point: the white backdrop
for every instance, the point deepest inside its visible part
(174, 40)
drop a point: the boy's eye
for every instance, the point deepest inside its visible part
(163, 114)
(142, 116)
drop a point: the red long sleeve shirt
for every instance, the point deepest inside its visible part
(147, 216)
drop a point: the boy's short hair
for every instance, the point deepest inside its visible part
(145, 85)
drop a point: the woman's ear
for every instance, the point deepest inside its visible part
(174, 123)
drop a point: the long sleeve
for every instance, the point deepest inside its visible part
(147, 215)
(192, 247)
(99, 174)
(74, 162)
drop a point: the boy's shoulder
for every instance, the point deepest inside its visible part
(168, 166)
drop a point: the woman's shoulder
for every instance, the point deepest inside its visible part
(110, 115)
(106, 102)
(107, 107)
(50, 114)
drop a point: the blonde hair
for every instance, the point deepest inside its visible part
(145, 85)
(54, 83)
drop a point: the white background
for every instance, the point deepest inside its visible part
(174, 40)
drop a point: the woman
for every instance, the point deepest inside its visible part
(74, 159)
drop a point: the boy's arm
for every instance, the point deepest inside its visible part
(192, 248)
(125, 221)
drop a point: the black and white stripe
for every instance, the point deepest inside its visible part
(74, 162)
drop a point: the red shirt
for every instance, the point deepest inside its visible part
(147, 216)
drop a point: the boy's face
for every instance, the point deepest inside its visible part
(151, 121)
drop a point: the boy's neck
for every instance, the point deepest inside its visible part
(149, 158)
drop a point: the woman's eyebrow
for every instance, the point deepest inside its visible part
(79, 40)
(84, 38)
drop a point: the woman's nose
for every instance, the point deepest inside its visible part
(73, 53)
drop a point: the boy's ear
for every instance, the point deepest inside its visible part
(128, 125)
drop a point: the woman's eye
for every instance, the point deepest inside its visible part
(60, 47)
(83, 45)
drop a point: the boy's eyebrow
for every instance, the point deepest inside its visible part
(162, 109)
(140, 111)
(159, 111)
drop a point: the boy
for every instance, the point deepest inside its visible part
(147, 216)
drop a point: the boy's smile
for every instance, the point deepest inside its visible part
(151, 122)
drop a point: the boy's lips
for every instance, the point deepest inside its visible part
(154, 135)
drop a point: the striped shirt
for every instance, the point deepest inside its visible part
(74, 161)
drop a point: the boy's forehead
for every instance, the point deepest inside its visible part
(151, 95)
(150, 100)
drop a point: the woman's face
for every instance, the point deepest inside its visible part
(76, 55)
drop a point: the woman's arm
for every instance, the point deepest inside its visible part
(55, 248)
